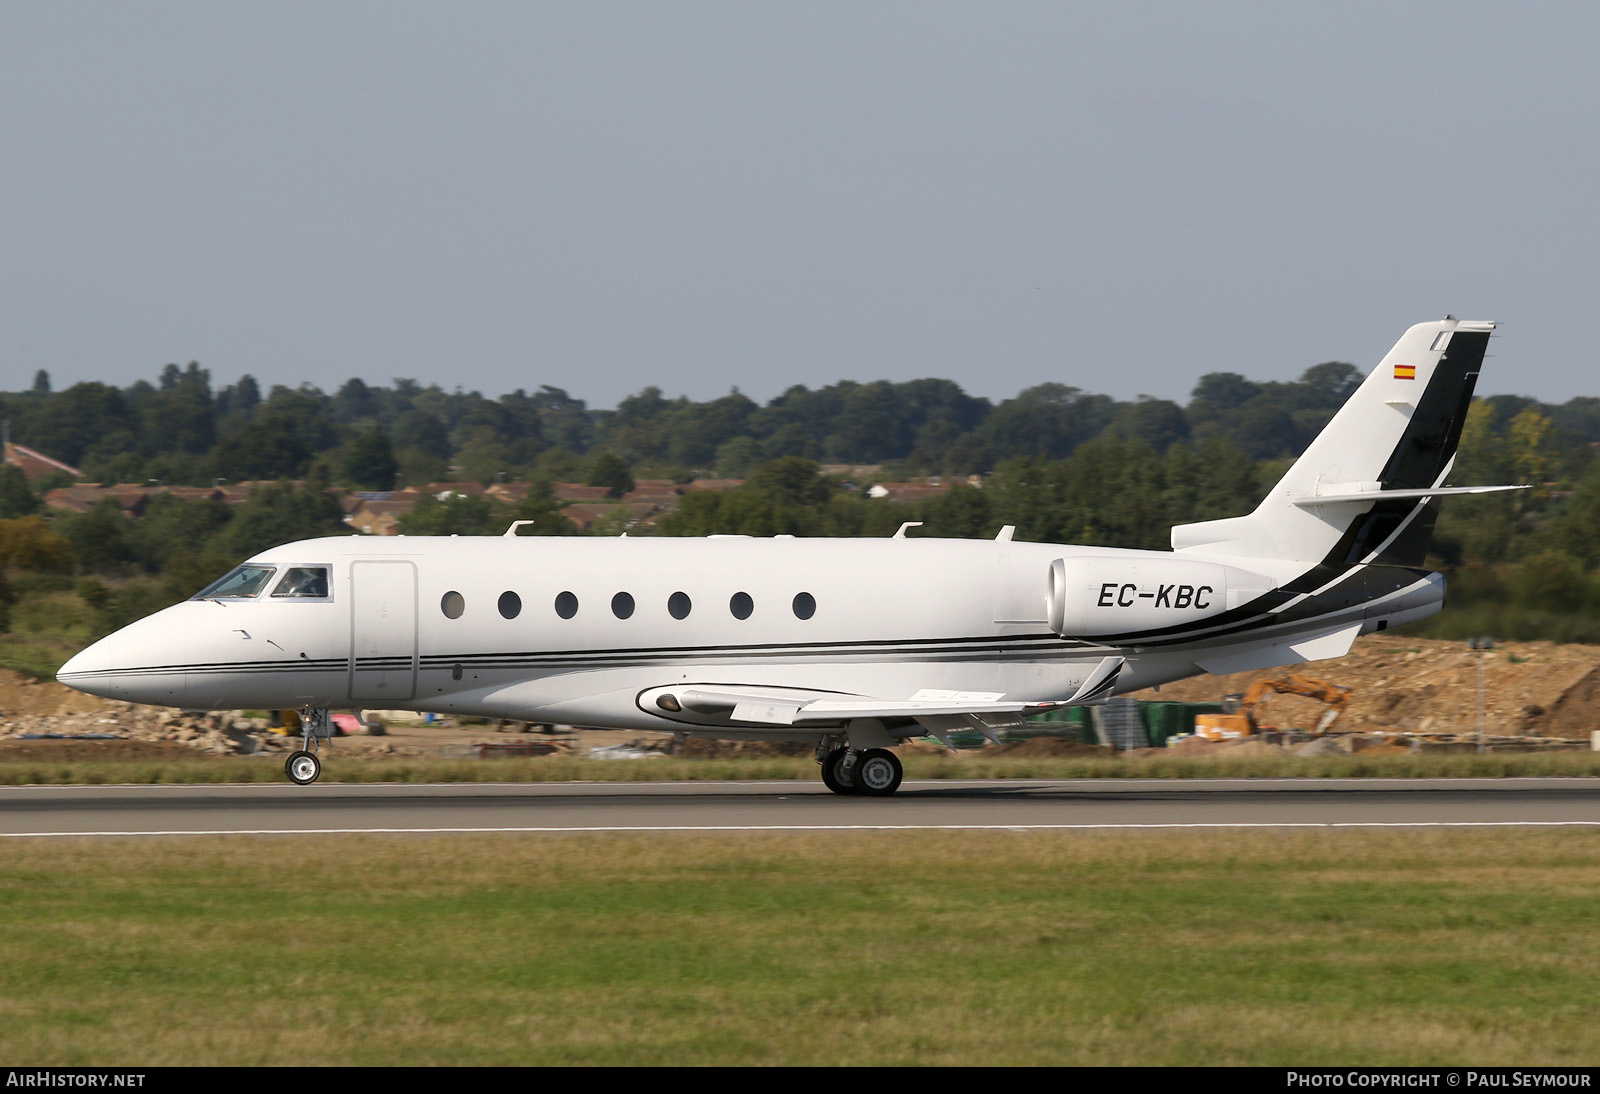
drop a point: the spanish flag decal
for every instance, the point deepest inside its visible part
(1405, 372)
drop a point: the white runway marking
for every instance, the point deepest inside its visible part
(806, 828)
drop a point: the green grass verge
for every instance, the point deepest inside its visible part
(205, 769)
(35, 656)
(47, 627)
(1253, 948)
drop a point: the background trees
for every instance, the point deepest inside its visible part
(1057, 460)
(180, 430)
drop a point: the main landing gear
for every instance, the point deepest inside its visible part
(303, 766)
(875, 772)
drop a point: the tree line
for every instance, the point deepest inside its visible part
(182, 430)
(1058, 463)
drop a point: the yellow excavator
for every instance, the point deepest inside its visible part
(1245, 721)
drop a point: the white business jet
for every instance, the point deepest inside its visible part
(853, 644)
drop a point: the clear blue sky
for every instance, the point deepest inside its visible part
(602, 196)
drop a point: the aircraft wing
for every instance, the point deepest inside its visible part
(782, 706)
(798, 709)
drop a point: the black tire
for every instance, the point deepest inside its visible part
(302, 768)
(837, 769)
(877, 773)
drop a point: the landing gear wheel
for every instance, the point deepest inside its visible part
(303, 768)
(877, 773)
(838, 771)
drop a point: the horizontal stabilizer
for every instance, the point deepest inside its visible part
(1395, 495)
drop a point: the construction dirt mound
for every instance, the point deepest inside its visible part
(1430, 685)
(23, 695)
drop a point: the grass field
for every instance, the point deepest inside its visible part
(971, 765)
(47, 626)
(952, 948)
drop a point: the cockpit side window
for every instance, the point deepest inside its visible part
(304, 583)
(246, 580)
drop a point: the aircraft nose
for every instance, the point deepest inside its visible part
(84, 667)
(85, 661)
(118, 667)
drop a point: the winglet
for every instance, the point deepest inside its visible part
(1099, 684)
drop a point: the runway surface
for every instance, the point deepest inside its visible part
(42, 811)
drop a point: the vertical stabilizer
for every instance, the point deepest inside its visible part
(1398, 432)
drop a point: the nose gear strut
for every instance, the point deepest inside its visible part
(303, 766)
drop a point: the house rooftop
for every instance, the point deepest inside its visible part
(33, 463)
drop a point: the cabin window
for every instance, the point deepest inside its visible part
(304, 583)
(452, 604)
(510, 605)
(678, 605)
(241, 581)
(741, 605)
(805, 605)
(622, 605)
(566, 605)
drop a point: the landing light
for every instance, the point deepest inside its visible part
(669, 702)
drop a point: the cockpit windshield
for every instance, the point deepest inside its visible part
(246, 580)
(305, 582)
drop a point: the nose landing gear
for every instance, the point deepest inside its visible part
(303, 767)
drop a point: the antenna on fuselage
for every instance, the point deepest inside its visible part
(901, 534)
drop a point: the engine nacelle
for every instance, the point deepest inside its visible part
(1107, 595)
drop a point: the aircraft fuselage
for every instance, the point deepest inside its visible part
(576, 630)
